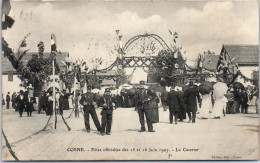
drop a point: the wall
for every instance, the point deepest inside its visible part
(11, 86)
(248, 70)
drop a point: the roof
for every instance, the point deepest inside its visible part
(210, 62)
(7, 66)
(242, 54)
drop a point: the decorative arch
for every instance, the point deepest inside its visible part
(138, 37)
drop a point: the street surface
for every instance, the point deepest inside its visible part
(233, 137)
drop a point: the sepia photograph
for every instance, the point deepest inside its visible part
(130, 80)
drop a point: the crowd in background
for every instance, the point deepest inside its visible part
(237, 101)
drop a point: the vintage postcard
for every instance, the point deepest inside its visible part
(130, 80)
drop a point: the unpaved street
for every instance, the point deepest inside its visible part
(228, 137)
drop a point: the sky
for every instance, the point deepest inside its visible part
(86, 29)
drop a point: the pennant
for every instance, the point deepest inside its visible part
(171, 32)
(120, 37)
(117, 31)
(53, 44)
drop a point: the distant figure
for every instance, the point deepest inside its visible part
(244, 101)
(43, 102)
(76, 102)
(14, 100)
(164, 98)
(3, 100)
(256, 93)
(21, 103)
(50, 104)
(154, 106)
(29, 107)
(8, 99)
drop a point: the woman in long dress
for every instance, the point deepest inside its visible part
(206, 106)
(220, 89)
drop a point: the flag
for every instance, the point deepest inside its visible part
(7, 22)
(53, 44)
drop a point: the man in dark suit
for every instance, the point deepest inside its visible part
(21, 103)
(88, 101)
(142, 100)
(191, 97)
(174, 106)
(107, 112)
(8, 99)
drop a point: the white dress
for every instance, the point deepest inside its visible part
(206, 106)
(219, 106)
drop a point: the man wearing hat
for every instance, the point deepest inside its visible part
(191, 95)
(8, 99)
(174, 104)
(107, 112)
(142, 100)
(88, 102)
(21, 103)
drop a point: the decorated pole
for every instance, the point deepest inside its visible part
(53, 51)
(53, 87)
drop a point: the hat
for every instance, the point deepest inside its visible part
(21, 91)
(142, 82)
(107, 90)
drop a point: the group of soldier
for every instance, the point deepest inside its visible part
(89, 103)
(146, 102)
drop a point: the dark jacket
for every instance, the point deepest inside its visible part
(7, 98)
(30, 101)
(142, 99)
(107, 103)
(154, 101)
(63, 102)
(21, 103)
(173, 101)
(244, 98)
(191, 95)
(182, 101)
(87, 100)
(237, 96)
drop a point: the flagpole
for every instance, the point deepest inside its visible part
(54, 100)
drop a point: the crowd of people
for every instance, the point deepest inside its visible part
(213, 104)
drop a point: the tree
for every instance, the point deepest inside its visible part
(169, 63)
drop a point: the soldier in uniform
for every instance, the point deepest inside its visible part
(107, 112)
(142, 100)
(89, 104)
